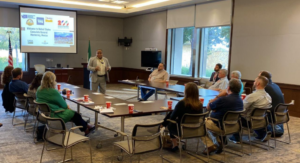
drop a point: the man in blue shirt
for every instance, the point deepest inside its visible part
(219, 107)
(16, 85)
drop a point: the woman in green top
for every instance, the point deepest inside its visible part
(47, 93)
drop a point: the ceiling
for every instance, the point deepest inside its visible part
(112, 8)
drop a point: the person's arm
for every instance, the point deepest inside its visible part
(176, 112)
(59, 100)
(166, 77)
(90, 66)
(25, 87)
(248, 101)
(221, 94)
(216, 105)
(108, 65)
(149, 78)
(212, 76)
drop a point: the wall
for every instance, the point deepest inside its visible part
(266, 37)
(146, 31)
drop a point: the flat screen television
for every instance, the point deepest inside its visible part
(150, 58)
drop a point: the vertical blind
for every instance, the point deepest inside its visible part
(181, 17)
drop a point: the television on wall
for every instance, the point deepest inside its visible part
(150, 58)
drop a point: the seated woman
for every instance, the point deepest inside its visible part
(7, 97)
(189, 104)
(36, 82)
(47, 93)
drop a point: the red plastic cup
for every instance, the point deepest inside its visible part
(58, 86)
(243, 96)
(108, 104)
(68, 93)
(170, 104)
(167, 83)
(201, 99)
(130, 108)
(86, 98)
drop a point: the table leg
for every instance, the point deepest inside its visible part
(96, 120)
(138, 92)
(78, 108)
(122, 123)
(155, 94)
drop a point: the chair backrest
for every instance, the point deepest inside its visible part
(40, 68)
(281, 113)
(259, 118)
(54, 126)
(20, 100)
(42, 108)
(193, 125)
(231, 122)
(31, 106)
(146, 138)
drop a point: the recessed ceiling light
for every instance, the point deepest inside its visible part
(119, 2)
(149, 3)
(83, 4)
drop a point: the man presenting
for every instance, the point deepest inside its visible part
(16, 85)
(99, 68)
(222, 83)
(159, 75)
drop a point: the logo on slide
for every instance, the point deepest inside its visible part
(28, 16)
(30, 41)
(29, 22)
(63, 24)
(48, 20)
(40, 21)
(45, 42)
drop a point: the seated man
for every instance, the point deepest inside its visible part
(277, 97)
(222, 83)
(258, 99)
(214, 76)
(231, 102)
(16, 85)
(159, 75)
(234, 75)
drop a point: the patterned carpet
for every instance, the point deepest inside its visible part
(16, 145)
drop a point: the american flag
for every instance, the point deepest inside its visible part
(10, 57)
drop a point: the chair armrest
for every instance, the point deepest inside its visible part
(74, 128)
(172, 121)
(122, 133)
(214, 119)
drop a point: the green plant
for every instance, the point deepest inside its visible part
(185, 70)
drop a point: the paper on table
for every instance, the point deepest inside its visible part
(96, 93)
(87, 103)
(107, 111)
(76, 87)
(108, 97)
(163, 107)
(120, 104)
(147, 102)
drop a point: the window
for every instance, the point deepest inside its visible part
(182, 40)
(19, 59)
(214, 49)
(195, 52)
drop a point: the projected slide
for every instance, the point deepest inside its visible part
(45, 32)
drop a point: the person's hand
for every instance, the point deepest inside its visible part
(69, 107)
(97, 68)
(212, 100)
(107, 69)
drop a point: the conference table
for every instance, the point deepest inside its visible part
(120, 106)
(162, 86)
